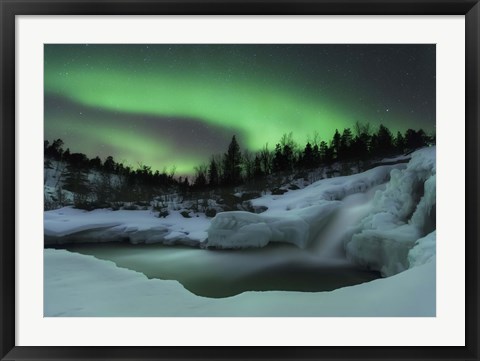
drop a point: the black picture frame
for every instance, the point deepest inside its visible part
(10, 8)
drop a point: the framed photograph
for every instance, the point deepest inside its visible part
(221, 176)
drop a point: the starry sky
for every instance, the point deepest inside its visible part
(165, 105)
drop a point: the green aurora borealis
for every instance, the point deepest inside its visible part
(165, 105)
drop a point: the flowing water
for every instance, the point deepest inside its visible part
(329, 243)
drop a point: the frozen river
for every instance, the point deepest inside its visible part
(222, 273)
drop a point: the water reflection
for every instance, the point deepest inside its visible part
(222, 273)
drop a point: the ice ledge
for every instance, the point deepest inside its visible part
(246, 230)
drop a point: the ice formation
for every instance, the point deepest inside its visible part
(243, 229)
(296, 217)
(401, 214)
(423, 251)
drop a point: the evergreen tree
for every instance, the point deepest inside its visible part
(307, 157)
(359, 148)
(213, 178)
(336, 143)
(373, 149)
(345, 144)
(423, 138)
(288, 158)
(400, 142)
(323, 149)
(415, 139)
(95, 163)
(109, 164)
(384, 141)
(54, 150)
(232, 164)
(316, 156)
(278, 161)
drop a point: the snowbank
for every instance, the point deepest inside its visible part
(424, 251)
(79, 285)
(68, 225)
(329, 189)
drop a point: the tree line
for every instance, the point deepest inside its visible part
(360, 145)
(115, 182)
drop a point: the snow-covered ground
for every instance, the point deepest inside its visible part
(80, 285)
(104, 225)
(394, 234)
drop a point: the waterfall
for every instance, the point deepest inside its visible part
(328, 245)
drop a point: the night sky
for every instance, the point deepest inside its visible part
(164, 105)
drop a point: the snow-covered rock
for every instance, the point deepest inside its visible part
(329, 189)
(69, 225)
(243, 229)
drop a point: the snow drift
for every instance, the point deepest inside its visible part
(79, 285)
(68, 225)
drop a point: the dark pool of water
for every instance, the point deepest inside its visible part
(222, 273)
